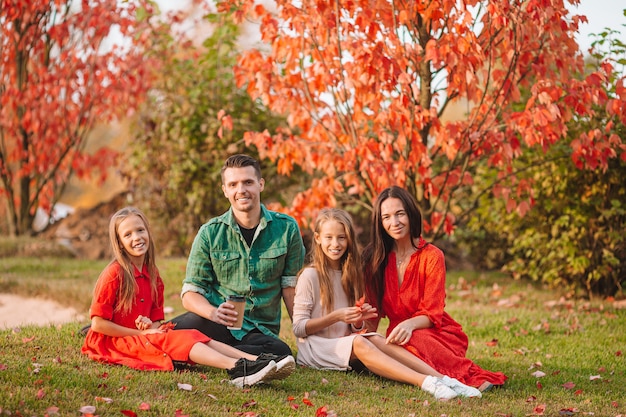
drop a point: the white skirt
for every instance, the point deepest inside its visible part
(326, 353)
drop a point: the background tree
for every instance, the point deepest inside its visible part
(183, 135)
(368, 87)
(62, 71)
(574, 235)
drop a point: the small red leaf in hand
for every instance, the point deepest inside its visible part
(359, 303)
(167, 326)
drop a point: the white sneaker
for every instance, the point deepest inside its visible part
(460, 388)
(436, 387)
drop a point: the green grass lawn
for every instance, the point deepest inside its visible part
(562, 356)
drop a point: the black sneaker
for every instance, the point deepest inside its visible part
(285, 365)
(247, 372)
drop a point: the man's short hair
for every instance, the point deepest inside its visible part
(241, 161)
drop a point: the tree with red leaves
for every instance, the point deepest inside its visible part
(369, 88)
(64, 66)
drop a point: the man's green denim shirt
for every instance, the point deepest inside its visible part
(221, 264)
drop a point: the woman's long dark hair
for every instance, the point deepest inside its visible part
(375, 254)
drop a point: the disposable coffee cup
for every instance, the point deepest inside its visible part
(239, 301)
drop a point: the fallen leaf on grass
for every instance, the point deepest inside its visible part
(52, 411)
(103, 400)
(28, 339)
(569, 385)
(186, 387)
(144, 406)
(568, 411)
(531, 399)
(594, 377)
(129, 413)
(539, 386)
(578, 392)
(538, 374)
(493, 342)
(538, 411)
(41, 393)
(249, 404)
(87, 409)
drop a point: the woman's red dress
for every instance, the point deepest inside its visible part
(144, 352)
(423, 293)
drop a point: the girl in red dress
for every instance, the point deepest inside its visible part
(127, 315)
(406, 281)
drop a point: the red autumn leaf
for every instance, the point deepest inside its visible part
(493, 342)
(569, 385)
(538, 411)
(539, 386)
(294, 406)
(144, 406)
(167, 326)
(40, 393)
(250, 403)
(307, 402)
(618, 353)
(531, 399)
(179, 413)
(129, 413)
(291, 398)
(30, 339)
(321, 412)
(360, 301)
(578, 392)
(614, 404)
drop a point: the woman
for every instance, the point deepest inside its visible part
(406, 282)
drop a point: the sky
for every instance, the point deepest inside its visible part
(600, 14)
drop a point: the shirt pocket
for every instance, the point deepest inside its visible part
(271, 263)
(227, 265)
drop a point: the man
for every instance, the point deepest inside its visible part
(250, 251)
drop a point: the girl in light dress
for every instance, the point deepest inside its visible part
(328, 319)
(127, 315)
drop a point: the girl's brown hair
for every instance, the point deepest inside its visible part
(351, 280)
(128, 286)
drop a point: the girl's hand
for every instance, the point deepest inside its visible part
(348, 315)
(143, 322)
(368, 312)
(401, 334)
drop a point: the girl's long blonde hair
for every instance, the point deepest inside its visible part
(351, 280)
(128, 286)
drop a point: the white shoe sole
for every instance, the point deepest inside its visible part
(256, 378)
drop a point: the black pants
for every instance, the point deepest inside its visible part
(254, 342)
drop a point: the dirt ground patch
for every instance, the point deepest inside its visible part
(85, 232)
